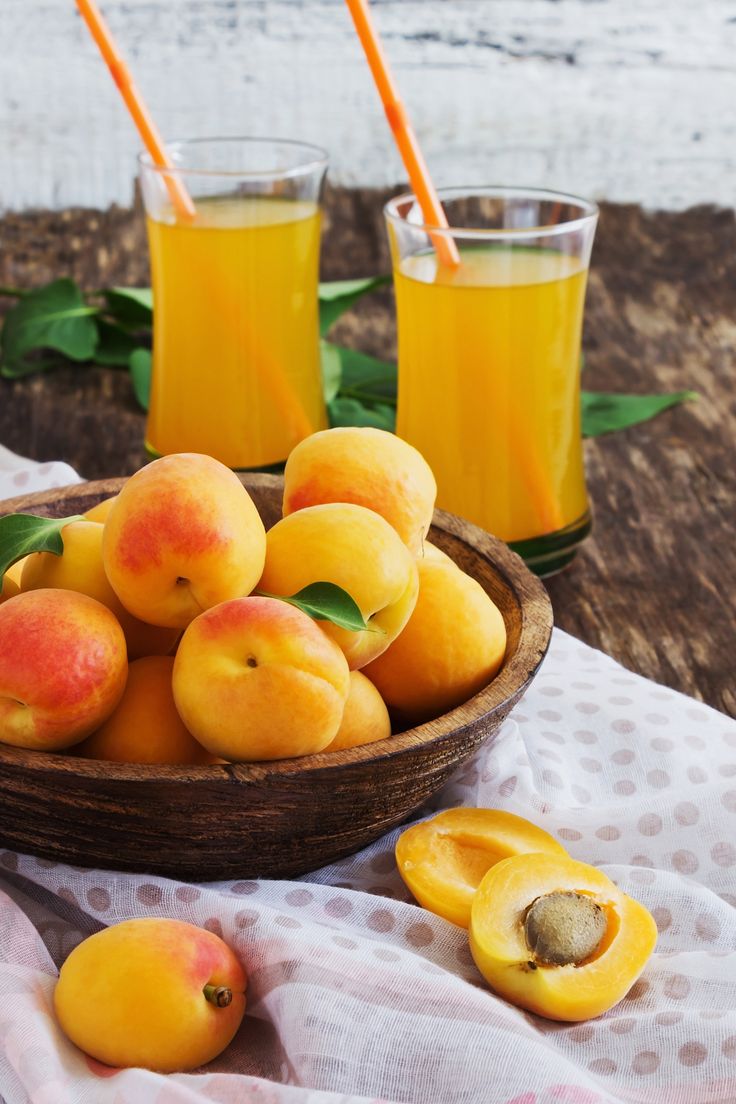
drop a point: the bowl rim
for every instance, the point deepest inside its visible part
(501, 693)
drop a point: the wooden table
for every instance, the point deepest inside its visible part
(655, 586)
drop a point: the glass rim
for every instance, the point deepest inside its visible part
(588, 207)
(315, 158)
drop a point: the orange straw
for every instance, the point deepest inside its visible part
(136, 106)
(403, 132)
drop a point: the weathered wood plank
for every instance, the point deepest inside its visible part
(621, 99)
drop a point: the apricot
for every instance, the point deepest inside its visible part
(452, 646)
(80, 568)
(62, 668)
(359, 551)
(155, 993)
(255, 678)
(365, 719)
(101, 511)
(368, 467)
(444, 859)
(432, 552)
(8, 588)
(15, 571)
(145, 726)
(557, 937)
(182, 536)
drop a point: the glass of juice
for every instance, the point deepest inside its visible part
(489, 360)
(236, 366)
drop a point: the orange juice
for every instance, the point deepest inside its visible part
(489, 384)
(236, 369)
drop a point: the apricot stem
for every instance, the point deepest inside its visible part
(219, 995)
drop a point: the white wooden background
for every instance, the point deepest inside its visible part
(629, 100)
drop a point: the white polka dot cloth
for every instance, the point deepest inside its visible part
(21, 476)
(357, 994)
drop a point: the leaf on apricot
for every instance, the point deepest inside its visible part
(326, 602)
(21, 534)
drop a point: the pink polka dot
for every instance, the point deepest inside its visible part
(646, 1061)
(346, 944)
(692, 1054)
(286, 922)
(641, 860)
(244, 889)
(650, 824)
(212, 924)
(619, 699)
(149, 895)
(582, 685)
(547, 753)
(686, 813)
(587, 707)
(727, 770)
(581, 794)
(592, 766)
(21, 478)
(730, 738)
(656, 718)
(550, 715)
(643, 877)
(696, 742)
(99, 898)
(9, 860)
(553, 779)
(623, 726)
(67, 895)
(638, 990)
(246, 918)
(419, 935)
(381, 920)
(668, 1019)
(623, 1025)
(625, 787)
(723, 854)
(570, 834)
(550, 691)
(661, 743)
(553, 737)
(658, 779)
(187, 894)
(387, 956)
(583, 1034)
(338, 907)
(697, 775)
(608, 833)
(707, 927)
(299, 898)
(584, 736)
(662, 918)
(463, 955)
(676, 987)
(728, 1048)
(685, 862)
(729, 801)
(605, 1066)
(623, 757)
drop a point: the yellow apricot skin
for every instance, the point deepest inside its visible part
(100, 511)
(570, 992)
(365, 719)
(8, 588)
(444, 859)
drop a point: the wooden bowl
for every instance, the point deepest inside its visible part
(276, 819)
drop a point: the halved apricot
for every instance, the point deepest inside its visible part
(443, 860)
(557, 937)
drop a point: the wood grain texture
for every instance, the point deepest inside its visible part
(619, 99)
(276, 819)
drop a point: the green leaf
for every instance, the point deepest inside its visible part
(331, 369)
(326, 602)
(116, 345)
(21, 534)
(607, 413)
(130, 307)
(140, 374)
(353, 412)
(339, 295)
(52, 317)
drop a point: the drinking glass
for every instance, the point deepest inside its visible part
(489, 360)
(236, 366)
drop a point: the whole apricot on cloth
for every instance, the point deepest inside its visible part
(557, 937)
(369, 467)
(155, 993)
(63, 668)
(182, 535)
(453, 645)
